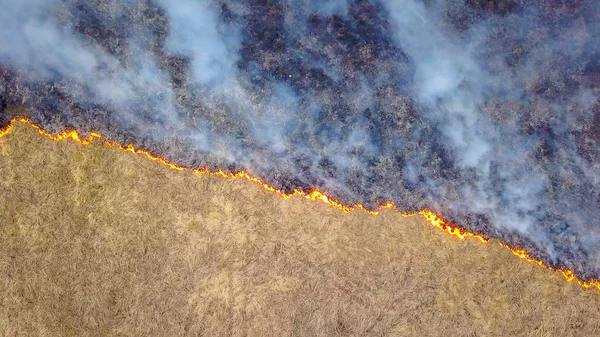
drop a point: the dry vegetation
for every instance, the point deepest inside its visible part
(95, 241)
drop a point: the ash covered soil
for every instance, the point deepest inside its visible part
(485, 112)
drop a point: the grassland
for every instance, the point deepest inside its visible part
(95, 241)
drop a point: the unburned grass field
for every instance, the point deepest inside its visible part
(95, 241)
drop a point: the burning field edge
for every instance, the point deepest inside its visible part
(430, 216)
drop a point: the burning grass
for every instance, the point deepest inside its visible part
(315, 195)
(96, 240)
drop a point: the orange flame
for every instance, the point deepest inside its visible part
(7, 129)
(433, 218)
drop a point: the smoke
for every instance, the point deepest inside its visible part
(485, 112)
(196, 33)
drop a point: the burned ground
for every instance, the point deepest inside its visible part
(485, 112)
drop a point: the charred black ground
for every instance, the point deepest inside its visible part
(485, 112)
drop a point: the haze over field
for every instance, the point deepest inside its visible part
(485, 112)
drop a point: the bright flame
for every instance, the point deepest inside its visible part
(433, 218)
(7, 129)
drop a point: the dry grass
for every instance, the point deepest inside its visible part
(95, 241)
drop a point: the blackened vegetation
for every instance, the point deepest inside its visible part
(356, 129)
(494, 6)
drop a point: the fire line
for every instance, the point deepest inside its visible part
(433, 218)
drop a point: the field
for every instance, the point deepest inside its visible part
(97, 241)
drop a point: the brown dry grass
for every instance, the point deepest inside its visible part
(95, 241)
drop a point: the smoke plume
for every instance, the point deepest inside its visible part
(485, 112)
